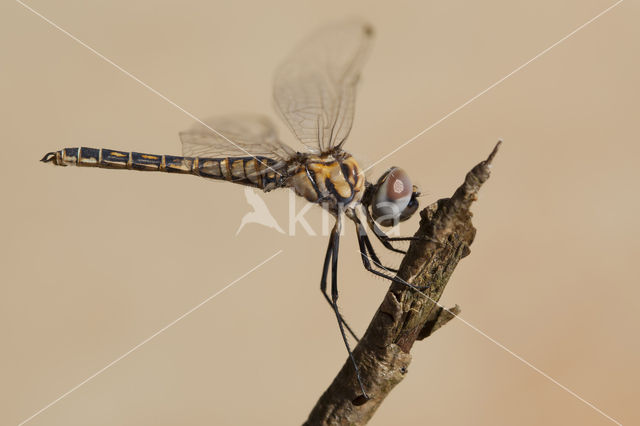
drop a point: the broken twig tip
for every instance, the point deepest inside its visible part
(493, 153)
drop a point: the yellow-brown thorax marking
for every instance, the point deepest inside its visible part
(329, 179)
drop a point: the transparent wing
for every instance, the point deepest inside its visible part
(239, 135)
(315, 87)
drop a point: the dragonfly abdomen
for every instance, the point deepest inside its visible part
(251, 171)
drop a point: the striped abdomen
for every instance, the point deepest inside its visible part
(252, 171)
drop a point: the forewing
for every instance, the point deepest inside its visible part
(315, 87)
(240, 135)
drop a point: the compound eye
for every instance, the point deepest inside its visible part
(392, 196)
(398, 185)
(412, 206)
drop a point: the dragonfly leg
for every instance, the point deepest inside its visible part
(385, 239)
(367, 254)
(379, 233)
(369, 249)
(323, 284)
(335, 237)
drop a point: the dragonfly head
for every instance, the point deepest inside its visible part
(393, 198)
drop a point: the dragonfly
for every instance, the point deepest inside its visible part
(314, 92)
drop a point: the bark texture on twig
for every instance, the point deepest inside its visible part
(405, 315)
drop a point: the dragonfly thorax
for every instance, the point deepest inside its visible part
(336, 182)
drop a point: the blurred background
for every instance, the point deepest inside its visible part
(95, 261)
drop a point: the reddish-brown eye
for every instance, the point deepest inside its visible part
(398, 185)
(392, 196)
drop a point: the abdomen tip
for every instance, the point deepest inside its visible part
(48, 157)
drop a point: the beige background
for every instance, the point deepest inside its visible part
(94, 262)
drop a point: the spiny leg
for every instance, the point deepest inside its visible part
(323, 283)
(367, 247)
(380, 235)
(335, 236)
(384, 238)
(370, 250)
(365, 244)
